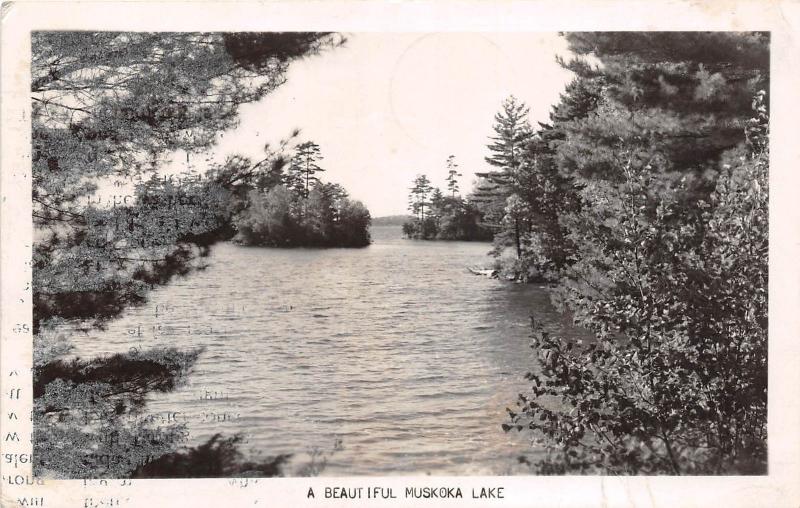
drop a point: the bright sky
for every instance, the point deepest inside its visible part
(386, 107)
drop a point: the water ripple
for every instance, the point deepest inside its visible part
(395, 349)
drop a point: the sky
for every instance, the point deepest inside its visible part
(386, 107)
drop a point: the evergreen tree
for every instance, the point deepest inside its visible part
(548, 191)
(512, 135)
(675, 97)
(320, 216)
(437, 207)
(442, 217)
(452, 175)
(420, 196)
(437, 200)
(336, 195)
(305, 164)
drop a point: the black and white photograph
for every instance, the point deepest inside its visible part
(396, 254)
(413, 286)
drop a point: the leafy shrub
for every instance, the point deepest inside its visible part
(676, 381)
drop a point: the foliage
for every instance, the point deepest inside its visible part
(680, 97)
(512, 134)
(331, 219)
(305, 164)
(352, 228)
(425, 229)
(525, 197)
(90, 422)
(120, 252)
(452, 176)
(282, 212)
(109, 108)
(420, 196)
(677, 99)
(677, 381)
(116, 105)
(50, 343)
(87, 415)
(666, 261)
(391, 220)
(319, 459)
(218, 457)
(442, 217)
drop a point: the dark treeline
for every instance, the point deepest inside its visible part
(391, 220)
(282, 203)
(644, 200)
(439, 216)
(112, 106)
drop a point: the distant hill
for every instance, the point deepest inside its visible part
(391, 220)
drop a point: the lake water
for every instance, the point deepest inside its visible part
(395, 349)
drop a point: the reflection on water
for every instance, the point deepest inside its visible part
(394, 349)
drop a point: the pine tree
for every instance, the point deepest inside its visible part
(675, 97)
(512, 135)
(513, 131)
(452, 175)
(305, 164)
(437, 207)
(420, 196)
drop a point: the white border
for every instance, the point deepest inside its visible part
(780, 488)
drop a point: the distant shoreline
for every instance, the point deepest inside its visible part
(391, 220)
